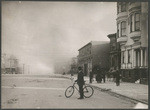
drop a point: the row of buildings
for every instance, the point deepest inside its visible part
(11, 65)
(95, 53)
(128, 47)
(132, 36)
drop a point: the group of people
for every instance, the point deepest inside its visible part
(99, 77)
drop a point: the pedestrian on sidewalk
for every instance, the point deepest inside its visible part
(117, 77)
(64, 73)
(71, 73)
(113, 72)
(108, 75)
(99, 78)
(80, 82)
(91, 76)
(104, 77)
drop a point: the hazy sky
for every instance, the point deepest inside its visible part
(43, 33)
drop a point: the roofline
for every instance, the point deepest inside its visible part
(85, 45)
(110, 35)
(91, 43)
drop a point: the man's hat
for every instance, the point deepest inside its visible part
(79, 68)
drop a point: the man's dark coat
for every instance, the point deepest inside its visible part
(80, 78)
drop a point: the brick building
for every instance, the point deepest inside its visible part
(132, 34)
(94, 53)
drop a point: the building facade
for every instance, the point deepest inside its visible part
(9, 64)
(92, 54)
(114, 54)
(132, 34)
(74, 65)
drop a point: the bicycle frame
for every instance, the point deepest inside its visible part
(75, 86)
(84, 86)
(86, 89)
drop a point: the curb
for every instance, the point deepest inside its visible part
(114, 93)
(117, 94)
(65, 77)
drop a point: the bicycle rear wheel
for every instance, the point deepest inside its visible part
(88, 91)
(69, 91)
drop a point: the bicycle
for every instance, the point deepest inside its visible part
(88, 90)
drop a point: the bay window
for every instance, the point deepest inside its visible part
(118, 30)
(123, 28)
(122, 55)
(129, 56)
(137, 22)
(123, 7)
(131, 23)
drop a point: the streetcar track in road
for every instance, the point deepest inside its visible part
(41, 88)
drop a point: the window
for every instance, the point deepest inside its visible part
(90, 51)
(122, 56)
(113, 60)
(129, 74)
(114, 46)
(137, 22)
(136, 19)
(123, 28)
(123, 74)
(123, 7)
(118, 30)
(129, 56)
(138, 58)
(144, 57)
(131, 23)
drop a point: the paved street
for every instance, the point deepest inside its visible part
(47, 92)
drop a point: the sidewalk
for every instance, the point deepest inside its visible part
(135, 91)
(138, 92)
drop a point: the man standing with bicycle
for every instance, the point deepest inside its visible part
(80, 82)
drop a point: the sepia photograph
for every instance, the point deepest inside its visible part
(74, 55)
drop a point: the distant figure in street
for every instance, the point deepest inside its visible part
(71, 73)
(108, 76)
(98, 76)
(64, 73)
(80, 82)
(113, 72)
(91, 76)
(117, 74)
(104, 77)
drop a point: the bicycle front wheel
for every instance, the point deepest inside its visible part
(88, 91)
(69, 91)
